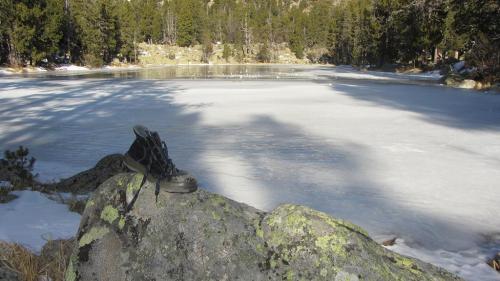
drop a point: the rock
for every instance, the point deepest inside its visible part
(204, 236)
(390, 242)
(467, 84)
(458, 82)
(452, 81)
(458, 66)
(90, 179)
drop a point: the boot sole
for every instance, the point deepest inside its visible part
(173, 186)
(141, 131)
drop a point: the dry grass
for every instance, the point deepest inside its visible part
(495, 264)
(31, 267)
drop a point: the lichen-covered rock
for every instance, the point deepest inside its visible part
(204, 236)
(90, 179)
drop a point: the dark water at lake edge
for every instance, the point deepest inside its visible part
(190, 72)
(319, 73)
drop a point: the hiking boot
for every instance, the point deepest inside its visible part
(148, 155)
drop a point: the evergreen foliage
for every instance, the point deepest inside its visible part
(264, 54)
(17, 167)
(375, 32)
(227, 52)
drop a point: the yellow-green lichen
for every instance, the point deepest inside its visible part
(408, 264)
(338, 222)
(289, 275)
(89, 203)
(120, 182)
(260, 248)
(258, 229)
(332, 243)
(109, 214)
(219, 201)
(70, 274)
(259, 232)
(92, 235)
(215, 216)
(134, 185)
(297, 221)
(323, 272)
(273, 264)
(121, 223)
(298, 215)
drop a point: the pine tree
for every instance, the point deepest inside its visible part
(186, 34)
(297, 33)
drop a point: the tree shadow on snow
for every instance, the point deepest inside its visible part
(263, 162)
(455, 108)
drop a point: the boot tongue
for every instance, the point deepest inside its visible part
(160, 147)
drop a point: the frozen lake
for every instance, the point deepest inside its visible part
(416, 161)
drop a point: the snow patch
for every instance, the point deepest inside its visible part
(459, 66)
(32, 219)
(5, 71)
(470, 264)
(5, 185)
(71, 67)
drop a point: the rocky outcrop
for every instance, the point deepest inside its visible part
(90, 179)
(204, 236)
(457, 81)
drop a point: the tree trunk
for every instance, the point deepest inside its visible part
(436, 55)
(12, 58)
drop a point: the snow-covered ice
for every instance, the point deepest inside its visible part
(349, 72)
(32, 219)
(417, 162)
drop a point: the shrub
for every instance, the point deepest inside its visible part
(297, 48)
(17, 167)
(207, 48)
(264, 54)
(318, 55)
(227, 52)
(92, 60)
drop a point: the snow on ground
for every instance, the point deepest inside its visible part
(463, 261)
(32, 219)
(417, 162)
(71, 67)
(5, 71)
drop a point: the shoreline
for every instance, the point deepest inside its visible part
(349, 72)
